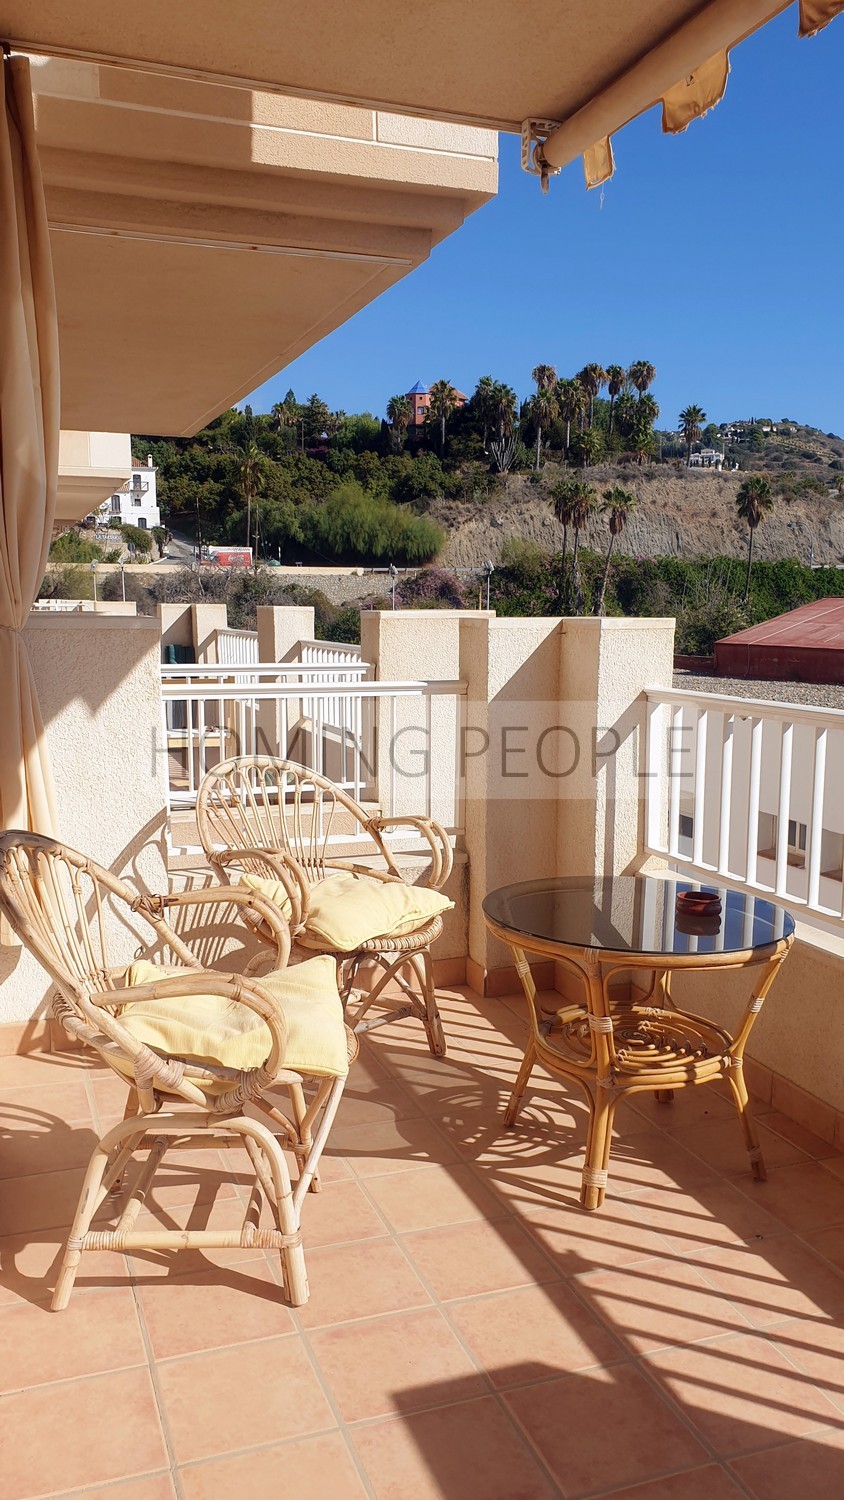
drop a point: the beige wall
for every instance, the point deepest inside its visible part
(99, 687)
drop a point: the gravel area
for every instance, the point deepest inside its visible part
(814, 694)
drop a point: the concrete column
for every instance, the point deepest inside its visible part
(280, 629)
(207, 619)
(176, 625)
(99, 685)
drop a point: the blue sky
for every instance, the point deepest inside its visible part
(715, 254)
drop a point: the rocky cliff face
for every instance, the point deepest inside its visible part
(690, 513)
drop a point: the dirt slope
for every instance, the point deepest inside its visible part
(682, 514)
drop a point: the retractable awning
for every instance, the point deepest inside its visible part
(567, 74)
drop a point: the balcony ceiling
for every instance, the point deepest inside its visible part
(489, 62)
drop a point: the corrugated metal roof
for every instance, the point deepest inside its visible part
(817, 626)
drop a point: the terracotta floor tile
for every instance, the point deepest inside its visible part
(43, 1200)
(400, 1363)
(149, 1487)
(804, 1197)
(189, 1177)
(225, 1214)
(314, 1468)
(468, 1259)
(359, 1281)
(814, 1467)
(658, 1303)
(93, 1334)
(45, 1145)
(60, 1099)
(711, 1483)
(381, 1102)
(651, 1159)
(741, 1393)
(603, 1429)
(240, 1397)
(84, 1432)
(580, 1242)
(533, 1333)
(701, 1106)
(37, 1069)
(816, 1348)
(721, 1145)
(340, 1212)
(782, 1279)
(29, 1266)
(470, 1451)
(435, 1196)
(229, 1305)
(710, 1213)
(391, 1146)
(829, 1243)
(813, 1145)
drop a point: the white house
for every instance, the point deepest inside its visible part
(136, 502)
(706, 458)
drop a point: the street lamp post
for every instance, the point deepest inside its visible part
(394, 573)
(94, 576)
(489, 570)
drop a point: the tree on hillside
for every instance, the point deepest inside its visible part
(585, 505)
(753, 501)
(565, 496)
(587, 447)
(618, 504)
(645, 415)
(544, 403)
(592, 378)
(398, 415)
(482, 402)
(626, 410)
(503, 406)
(691, 426)
(616, 376)
(642, 374)
(251, 466)
(443, 400)
(317, 419)
(285, 413)
(570, 400)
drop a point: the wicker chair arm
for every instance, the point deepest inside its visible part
(273, 864)
(261, 909)
(435, 837)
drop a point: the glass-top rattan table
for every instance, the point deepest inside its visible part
(618, 1037)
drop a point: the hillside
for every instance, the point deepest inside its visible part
(680, 513)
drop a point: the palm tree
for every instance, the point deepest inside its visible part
(503, 412)
(285, 413)
(691, 424)
(443, 400)
(570, 399)
(753, 501)
(251, 468)
(482, 402)
(625, 413)
(617, 506)
(642, 375)
(398, 415)
(592, 378)
(565, 495)
(584, 506)
(544, 403)
(616, 376)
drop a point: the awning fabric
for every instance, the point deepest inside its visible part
(816, 14)
(29, 447)
(693, 96)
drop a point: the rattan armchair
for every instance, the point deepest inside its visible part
(62, 906)
(278, 823)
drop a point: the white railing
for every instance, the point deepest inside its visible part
(327, 653)
(749, 792)
(236, 646)
(372, 738)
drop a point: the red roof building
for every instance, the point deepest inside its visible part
(805, 645)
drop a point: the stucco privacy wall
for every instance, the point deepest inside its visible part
(99, 687)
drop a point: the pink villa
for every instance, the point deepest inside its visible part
(419, 397)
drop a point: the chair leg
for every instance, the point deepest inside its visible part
(300, 1115)
(132, 1108)
(595, 1169)
(424, 970)
(735, 1078)
(515, 1103)
(85, 1210)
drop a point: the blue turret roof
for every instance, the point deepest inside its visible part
(418, 389)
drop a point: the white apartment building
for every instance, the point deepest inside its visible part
(136, 502)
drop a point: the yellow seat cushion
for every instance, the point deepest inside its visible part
(214, 1029)
(347, 910)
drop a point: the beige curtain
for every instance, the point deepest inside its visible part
(29, 444)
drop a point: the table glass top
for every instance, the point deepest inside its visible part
(635, 914)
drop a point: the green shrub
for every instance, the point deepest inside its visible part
(72, 548)
(356, 526)
(137, 537)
